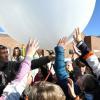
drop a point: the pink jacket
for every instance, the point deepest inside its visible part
(14, 89)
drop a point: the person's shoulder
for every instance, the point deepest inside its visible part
(21, 58)
(13, 59)
(12, 64)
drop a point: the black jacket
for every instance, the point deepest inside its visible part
(10, 69)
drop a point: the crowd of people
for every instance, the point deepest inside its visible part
(51, 77)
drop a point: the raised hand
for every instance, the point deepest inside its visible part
(77, 35)
(76, 50)
(32, 47)
(63, 42)
(71, 88)
(29, 78)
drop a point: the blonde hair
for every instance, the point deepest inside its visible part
(44, 91)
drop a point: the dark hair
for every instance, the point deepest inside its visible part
(51, 52)
(3, 47)
(91, 85)
(99, 59)
(10, 70)
(2, 82)
(17, 49)
(79, 63)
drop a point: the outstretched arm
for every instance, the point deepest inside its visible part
(59, 67)
(87, 54)
(14, 89)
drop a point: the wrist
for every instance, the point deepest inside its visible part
(79, 43)
(29, 57)
(51, 58)
(77, 98)
(74, 96)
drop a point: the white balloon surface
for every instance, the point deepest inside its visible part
(46, 20)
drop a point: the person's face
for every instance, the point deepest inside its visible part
(82, 70)
(69, 66)
(4, 55)
(16, 52)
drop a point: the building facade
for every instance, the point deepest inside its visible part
(9, 42)
(94, 44)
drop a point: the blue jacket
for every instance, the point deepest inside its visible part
(60, 70)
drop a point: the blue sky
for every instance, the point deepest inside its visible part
(93, 27)
(2, 30)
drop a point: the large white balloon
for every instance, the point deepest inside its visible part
(47, 20)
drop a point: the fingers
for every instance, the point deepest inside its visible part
(32, 46)
(74, 34)
(29, 42)
(70, 81)
(59, 41)
(71, 90)
(77, 35)
(63, 40)
(35, 44)
(69, 86)
(78, 30)
(73, 43)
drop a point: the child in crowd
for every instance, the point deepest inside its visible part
(85, 87)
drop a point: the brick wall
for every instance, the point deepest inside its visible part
(9, 42)
(94, 43)
(91, 41)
